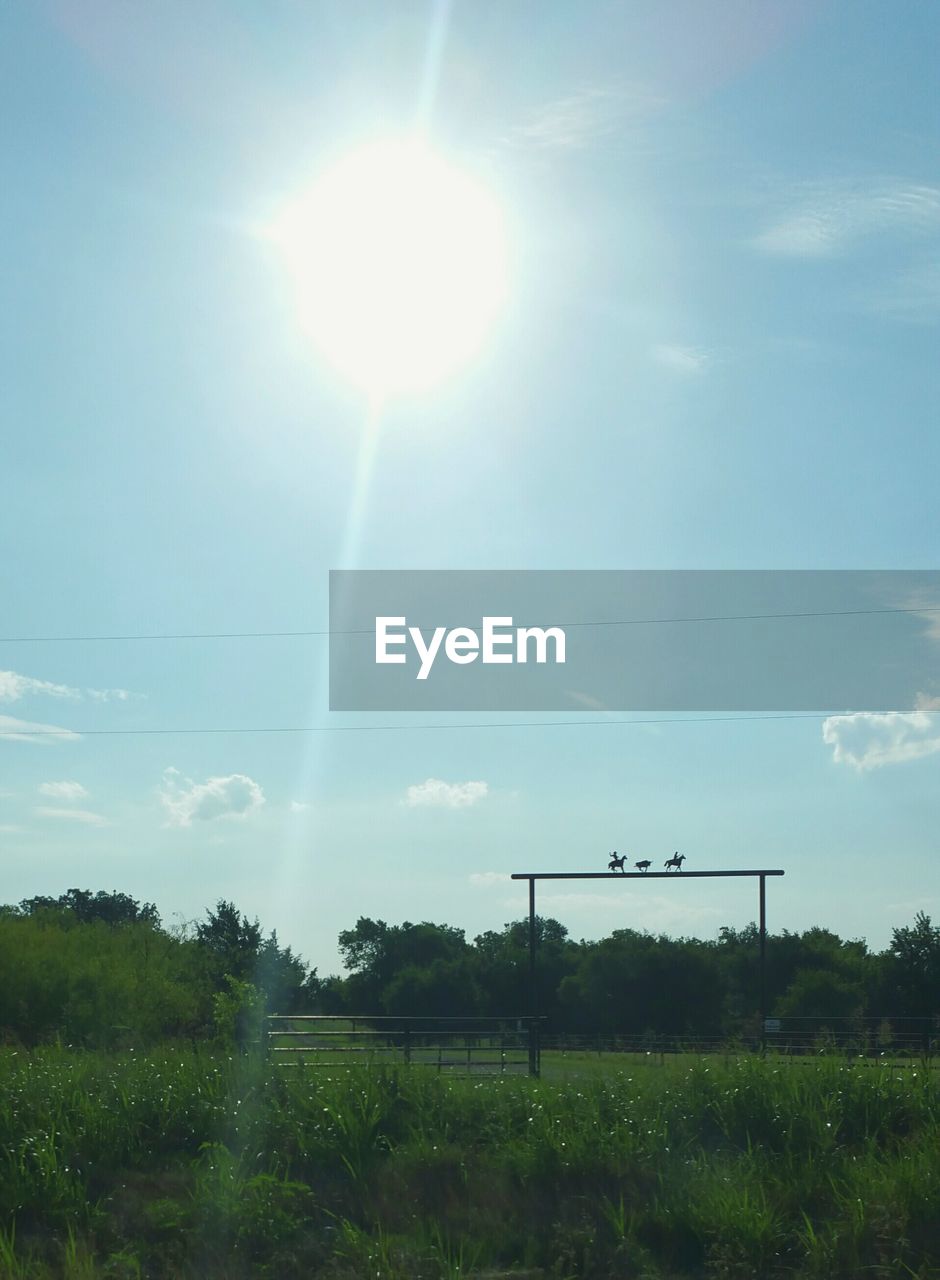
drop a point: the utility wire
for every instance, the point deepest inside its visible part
(13, 732)
(367, 631)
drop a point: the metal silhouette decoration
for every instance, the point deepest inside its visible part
(618, 863)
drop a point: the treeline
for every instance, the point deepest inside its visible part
(101, 970)
(633, 982)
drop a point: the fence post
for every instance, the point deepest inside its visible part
(533, 988)
(763, 966)
(407, 1041)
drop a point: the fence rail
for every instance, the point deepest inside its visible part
(513, 1045)
(462, 1046)
(914, 1038)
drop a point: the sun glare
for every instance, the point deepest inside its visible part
(399, 264)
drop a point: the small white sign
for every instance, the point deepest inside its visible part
(771, 1024)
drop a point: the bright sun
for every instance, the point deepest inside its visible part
(399, 264)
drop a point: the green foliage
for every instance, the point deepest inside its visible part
(199, 1164)
(913, 967)
(80, 906)
(97, 969)
(619, 986)
(821, 994)
(94, 984)
(238, 1013)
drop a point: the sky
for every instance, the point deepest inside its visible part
(715, 349)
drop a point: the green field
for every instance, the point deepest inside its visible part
(192, 1164)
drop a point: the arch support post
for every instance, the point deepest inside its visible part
(533, 987)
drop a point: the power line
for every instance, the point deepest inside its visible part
(367, 631)
(407, 728)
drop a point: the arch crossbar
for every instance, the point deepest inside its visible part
(761, 873)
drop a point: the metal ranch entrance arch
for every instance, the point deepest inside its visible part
(532, 876)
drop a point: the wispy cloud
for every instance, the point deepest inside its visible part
(632, 910)
(912, 904)
(84, 816)
(234, 796)
(14, 686)
(487, 879)
(299, 806)
(583, 118)
(14, 730)
(682, 360)
(586, 700)
(62, 790)
(829, 219)
(435, 794)
(869, 740)
(913, 295)
(111, 695)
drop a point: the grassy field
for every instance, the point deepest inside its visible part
(198, 1165)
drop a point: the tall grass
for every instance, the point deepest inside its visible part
(193, 1164)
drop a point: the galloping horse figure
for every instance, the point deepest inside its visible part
(617, 862)
(676, 861)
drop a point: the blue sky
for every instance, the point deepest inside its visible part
(717, 351)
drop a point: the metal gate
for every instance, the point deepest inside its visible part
(463, 1046)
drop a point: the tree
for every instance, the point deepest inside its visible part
(84, 907)
(231, 943)
(236, 949)
(377, 953)
(633, 982)
(821, 994)
(445, 988)
(283, 977)
(913, 969)
(502, 960)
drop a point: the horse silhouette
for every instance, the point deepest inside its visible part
(676, 861)
(617, 862)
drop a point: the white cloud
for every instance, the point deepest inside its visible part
(14, 730)
(235, 796)
(10, 829)
(586, 700)
(110, 695)
(72, 815)
(913, 295)
(62, 790)
(299, 806)
(14, 686)
(486, 879)
(580, 119)
(445, 795)
(630, 910)
(870, 739)
(832, 218)
(926, 606)
(684, 360)
(912, 904)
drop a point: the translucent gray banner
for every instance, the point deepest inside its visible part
(635, 640)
